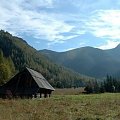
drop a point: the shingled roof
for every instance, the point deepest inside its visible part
(26, 84)
(40, 80)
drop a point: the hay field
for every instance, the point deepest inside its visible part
(63, 107)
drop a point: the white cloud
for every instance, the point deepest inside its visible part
(104, 24)
(29, 18)
(43, 3)
(16, 18)
(109, 44)
(72, 48)
(81, 44)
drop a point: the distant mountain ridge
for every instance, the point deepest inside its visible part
(88, 60)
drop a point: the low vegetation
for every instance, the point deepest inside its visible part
(63, 107)
(69, 91)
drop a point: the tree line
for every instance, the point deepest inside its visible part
(110, 84)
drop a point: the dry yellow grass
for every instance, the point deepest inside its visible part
(63, 107)
(68, 91)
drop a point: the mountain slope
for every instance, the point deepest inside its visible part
(89, 61)
(23, 55)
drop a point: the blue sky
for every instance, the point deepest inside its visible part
(62, 25)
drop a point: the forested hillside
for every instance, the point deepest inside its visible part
(89, 61)
(7, 68)
(16, 54)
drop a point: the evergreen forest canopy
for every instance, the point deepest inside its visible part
(15, 54)
(110, 84)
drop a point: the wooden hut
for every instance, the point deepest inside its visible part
(26, 84)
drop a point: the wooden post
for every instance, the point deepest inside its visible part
(45, 95)
(50, 93)
(40, 95)
(35, 96)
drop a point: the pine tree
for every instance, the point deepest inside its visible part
(1, 56)
(4, 73)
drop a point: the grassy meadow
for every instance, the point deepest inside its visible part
(63, 107)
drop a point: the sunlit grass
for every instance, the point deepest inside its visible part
(63, 107)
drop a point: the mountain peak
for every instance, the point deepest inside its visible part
(118, 46)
